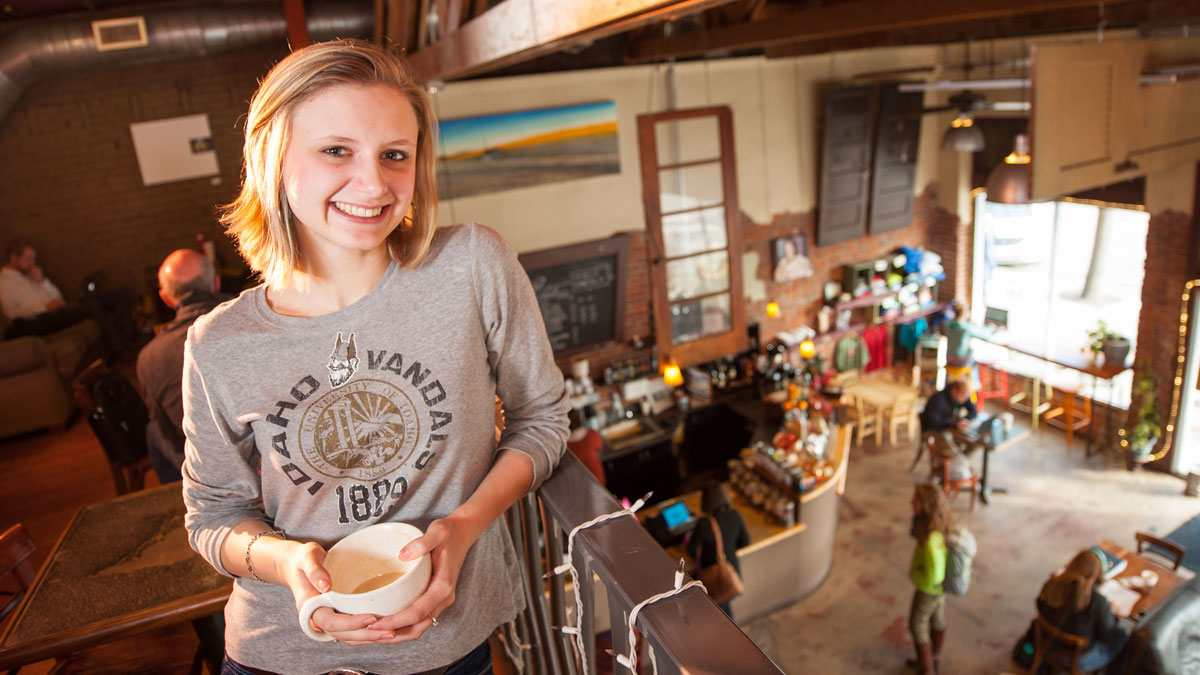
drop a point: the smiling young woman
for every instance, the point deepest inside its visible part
(357, 384)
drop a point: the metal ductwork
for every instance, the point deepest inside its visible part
(46, 47)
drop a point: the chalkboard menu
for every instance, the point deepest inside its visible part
(580, 290)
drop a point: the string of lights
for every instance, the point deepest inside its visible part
(1177, 385)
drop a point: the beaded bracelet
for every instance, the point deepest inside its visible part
(249, 564)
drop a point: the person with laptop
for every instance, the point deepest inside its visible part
(1071, 602)
(948, 409)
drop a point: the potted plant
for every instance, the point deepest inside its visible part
(1112, 344)
(1144, 429)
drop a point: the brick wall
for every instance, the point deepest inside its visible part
(953, 240)
(799, 300)
(70, 181)
(1167, 266)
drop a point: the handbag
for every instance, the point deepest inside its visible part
(720, 579)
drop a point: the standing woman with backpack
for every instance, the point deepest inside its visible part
(933, 525)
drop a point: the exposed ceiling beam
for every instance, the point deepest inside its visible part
(841, 20)
(518, 30)
(1061, 21)
(297, 23)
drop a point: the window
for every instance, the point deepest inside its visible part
(1057, 269)
(690, 195)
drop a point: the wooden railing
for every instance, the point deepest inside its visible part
(686, 633)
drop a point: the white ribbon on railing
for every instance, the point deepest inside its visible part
(627, 660)
(569, 565)
(630, 660)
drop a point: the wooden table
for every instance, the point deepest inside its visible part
(1168, 580)
(1077, 362)
(880, 394)
(121, 567)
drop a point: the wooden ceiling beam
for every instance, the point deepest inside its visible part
(422, 24)
(829, 22)
(297, 23)
(1119, 16)
(398, 27)
(518, 30)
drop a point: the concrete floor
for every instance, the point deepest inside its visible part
(1059, 503)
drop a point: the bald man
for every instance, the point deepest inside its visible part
(187, 284)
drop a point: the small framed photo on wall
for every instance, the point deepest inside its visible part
(789, 258)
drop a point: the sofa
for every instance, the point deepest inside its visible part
(1167, 640)
(35, 374)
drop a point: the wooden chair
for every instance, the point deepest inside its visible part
(1168, 550)
(124, 444)
(1056, 648)
(15, 570)
(1066, 414)
(15, 548)
(864, 421)
(903, 413)
(939, 469)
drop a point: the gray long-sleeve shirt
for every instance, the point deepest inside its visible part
(379, 412)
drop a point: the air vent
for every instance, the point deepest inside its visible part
(124, 33)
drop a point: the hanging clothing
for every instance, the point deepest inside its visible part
(909, 334)
(851, 353)
(876, 339)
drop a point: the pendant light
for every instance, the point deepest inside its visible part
(963, 135)
(1009, 182)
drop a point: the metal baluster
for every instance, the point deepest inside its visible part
(618, 619)
(588, 621)
(541, 612)
(558, 610)
(538, 636)
(524, 619)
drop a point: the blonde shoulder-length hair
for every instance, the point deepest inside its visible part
(260, 219)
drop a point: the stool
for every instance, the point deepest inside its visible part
(993, 383)
(955, 373)
(1066, 415)
(1034, 399)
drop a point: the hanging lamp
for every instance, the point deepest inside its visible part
(1009, 182)
(963, 135)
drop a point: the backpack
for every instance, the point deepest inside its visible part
(960, 550)
(119, 419)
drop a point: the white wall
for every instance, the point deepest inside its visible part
(776, 114)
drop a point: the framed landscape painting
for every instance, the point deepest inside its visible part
(490, 153)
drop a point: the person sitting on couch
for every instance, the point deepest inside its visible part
(35, 306)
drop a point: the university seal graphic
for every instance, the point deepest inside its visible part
(363, 430)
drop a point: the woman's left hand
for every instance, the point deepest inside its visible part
(446, 541)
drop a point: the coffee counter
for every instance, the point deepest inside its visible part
(782, 565)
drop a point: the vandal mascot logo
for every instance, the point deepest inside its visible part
(343, 362)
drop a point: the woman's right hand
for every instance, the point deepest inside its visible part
(301, 569)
